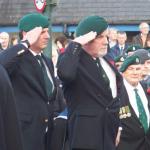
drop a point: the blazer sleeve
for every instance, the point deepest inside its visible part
(10, 57)
(68, 62)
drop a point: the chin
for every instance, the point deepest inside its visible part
(43, 47)
(102, 54)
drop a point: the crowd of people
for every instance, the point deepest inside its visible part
(99, 99)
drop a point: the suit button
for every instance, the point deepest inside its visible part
(107, 108)
(46, 120)
(48, 102)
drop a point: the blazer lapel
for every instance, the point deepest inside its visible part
(90, 64)
(91, 72)
(36, 72)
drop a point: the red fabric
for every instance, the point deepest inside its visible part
(62, 50)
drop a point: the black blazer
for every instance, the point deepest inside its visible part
(93, 113)
(133, 136)
(10, 137)
(35, 109)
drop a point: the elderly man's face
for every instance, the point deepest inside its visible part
(42, 41)
(133, 74)
(98, 47)
(4, 38)
(144, 28)
(113, 35)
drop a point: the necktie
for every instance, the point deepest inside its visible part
(121, 50)
(48, 83)
(102, 71)
(142, 113)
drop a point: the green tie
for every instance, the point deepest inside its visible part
(142, 113)
(48, 83)
(102, 71)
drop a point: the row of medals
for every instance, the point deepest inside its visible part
(124, 112)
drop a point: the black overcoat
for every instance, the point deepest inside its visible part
(93, 113)
(10, 137)
(34, 108)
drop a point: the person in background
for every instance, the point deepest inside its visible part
(32, 77)
(59, 140)
(141, 38)
(144, 56)
(112, 37)
(10, 137)
(4, 40)
(90, 85)
(147, 47)
(61, 43)
(131, 49)
(121, 46)
(14, 40)
(118, 61)
(135, 105)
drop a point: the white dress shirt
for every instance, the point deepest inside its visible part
(111, 76)
(132, 98)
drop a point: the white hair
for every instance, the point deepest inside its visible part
(4, 34)
(143, 25)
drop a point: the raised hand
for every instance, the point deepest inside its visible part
(33, 35)
(84, 39)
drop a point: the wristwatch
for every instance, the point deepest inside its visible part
(26, 42)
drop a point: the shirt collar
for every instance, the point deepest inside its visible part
(34, 53)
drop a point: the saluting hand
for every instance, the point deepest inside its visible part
(33, 35)
(84, 39)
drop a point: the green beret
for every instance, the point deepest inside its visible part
(91, 23)
(131, 60)
(32, 20)
(133, 48)
(142, 54)
(119, 59)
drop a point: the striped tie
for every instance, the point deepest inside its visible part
(142, 113)
(48, 83)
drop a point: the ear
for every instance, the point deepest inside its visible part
(24, 35)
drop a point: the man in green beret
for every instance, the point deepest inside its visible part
(134, 110)
(144, 56)
(118, 61)
(32, 77)
(90, 88)
(131, 49)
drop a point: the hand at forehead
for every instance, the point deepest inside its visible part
(33, 35)
(84, 39)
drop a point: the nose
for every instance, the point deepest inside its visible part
(106, 40)
(135, 71)
(48, 35)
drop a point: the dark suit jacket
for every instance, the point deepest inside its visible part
(115, 51)
(93, 118)
(10, 137)
(133, 136)
(35, 113)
